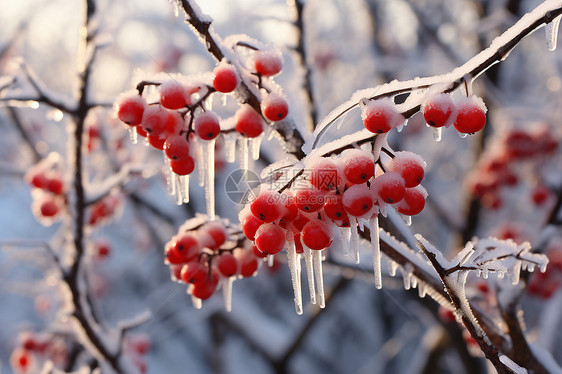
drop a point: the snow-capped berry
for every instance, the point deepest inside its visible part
(357, 200)
(258, 253)
(438, 110)
(217, 232)
(274, 107)
(248, 122)
(207, 125)
(248, 263)
(471, 115)
(323, 174)
(227, 264)
(309, 200)
(54, 185)
(21, 360)
(206, 288)
(267, 63)
(250, 225)
(173, 95)
(130, 108)
(299, 222)
(37, 179)
(176, 147)
(270, 238)
(334, 208)
(410, 166)
(316, 235)
(194, 272)
(379, 116)
(358, 165)
(267, 206)
(156, 141)
(140, 131)
(186, 246)
(183, 166)
(225, 78)
(49, 207)
(160, 122)
(389, 187)
(290, 210)
(413, 201)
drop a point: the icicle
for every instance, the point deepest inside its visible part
(179, 189)
(345, 235)
(243, 156)
(318, 277)
(413, 281)
(551, 32)
(185, 191)
(514, 275)
(354, 240)
(226, 284)
(208, 156)
(530, 267)
(230, 147)
(197, 304)
(170, 178)
(422, 289)
(309, 272)
(462, 135)
(292, 258)
(375, 245)
(176, 8)
(542, 267)
(393, 266)
(485, 273)
(133, 134)
(199, 160)
(400, 128)
(436, 133)
(407, 219)
(406, 276)
(254, 146)
(270, 260)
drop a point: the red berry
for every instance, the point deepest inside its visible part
(49, 207)
(471, 116)
(217, 232)
(299, 222)
(207, 125)
(298, 243)
(186, 247)
(358, 166)
(103, 249)
(21, 360)
(250, 225)
(410, 166)
(38, 180)
(267, 63)
(154, 119)
(316, 235)
(267, 206)
(130, 108)
(248, 263)
(540, 194)
(225, 78)
(248, 122)
(173, 95)
(334, 208)
(227, 264)
(184, 166)
(270, 238)
(176, 147)
(379, 116)
(357, 200)
(140, 131)
(324, 173)
(156, 141)
(413, 201)
(194, 272)
(54, 185)
(258, 253)
(389, 187)
(309, 200)
(274, 107)
(290, 208)
(438, 110)
(206, 288)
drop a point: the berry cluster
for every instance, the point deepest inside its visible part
(467, 114)
(49, 189)
(204, 253)
(136, 347)
(501, 167)
(105, 209)
(33, 350)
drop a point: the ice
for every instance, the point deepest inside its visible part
(406, 276)
(345, 234)
(318, 277)
(199, 160)
(133, 136)
(512, 365)
(551, 32)
(393, 266)
(243, 155)
(226, 284)
(197, 304)
(254, 145)
(295, 276)
(270, 260)
(354, 244)
(230, 147)
(208, 158)
(307, 253)
(436, 133)
(375, 244)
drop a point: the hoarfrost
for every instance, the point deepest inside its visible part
(551, 33)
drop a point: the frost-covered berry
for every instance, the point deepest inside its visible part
(389, 187)
(156, 141)
(410, 166)
(334, 208)
(207, 125)
(413, 201)
(316, 235)
(173, 95)
(186, 246)
(154, 120)
(248, 263)
(358, 166)
(358, 200)
(310, 200)
(471, 115)
(21, 360)
(129, 108)
(206, 288)
(274, 107)
(267, 206)
(183, 166)
(248, 122)
(250, 225)
(324, 174)
(193, 272)
(227, 264)
(438, 110)
(217, 232)
(540, 194)
(176, 147)
(267, 63)
(270, 238)
(49, 207)
(379, 116)
(55, 185)
(225, 78)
